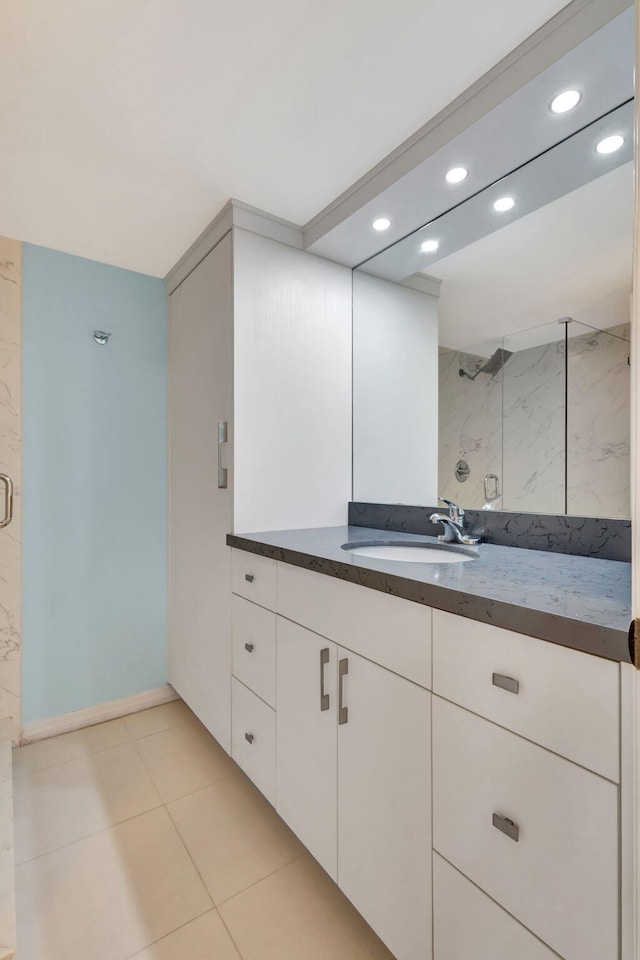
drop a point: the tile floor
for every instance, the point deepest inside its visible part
(139, 839)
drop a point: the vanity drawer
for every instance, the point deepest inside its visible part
(558, 870)
(253, 738)
(254, 648)
(392, 632)
(562, 699)
(468, 925)
(254, 577)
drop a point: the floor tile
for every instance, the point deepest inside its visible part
(60, 804)
(155, 719)
(299, 913)
(68, 746)
(184, 759)
(203, 939)
(110, 895)
(233, 835)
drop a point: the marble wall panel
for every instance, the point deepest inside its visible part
(534, 412)
(598, 423)
(11, 464)
(470, 427)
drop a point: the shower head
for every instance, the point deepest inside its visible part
(496, 363)
(493, 365)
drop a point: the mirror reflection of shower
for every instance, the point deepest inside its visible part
(492, 367)
(539, 419)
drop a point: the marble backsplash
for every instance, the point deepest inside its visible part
(513, 425)
(581, 536)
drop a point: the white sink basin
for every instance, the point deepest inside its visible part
(411, 551)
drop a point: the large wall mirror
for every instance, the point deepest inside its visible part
(491, 346)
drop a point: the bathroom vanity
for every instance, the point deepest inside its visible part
(452, 741)
(461, 782)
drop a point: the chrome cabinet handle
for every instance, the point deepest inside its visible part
(324, 660)
(222, 438)
(249, 577)
(343, 712)
(249, 737)
(505, 683)
(8, 500)
(506, 826)
(248, 647)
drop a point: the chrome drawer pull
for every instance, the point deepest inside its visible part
(506, 683)
(249, 577)
(222, 438)
(506, 826)
(343, 712)
(248, 647)
(248, 737)
(324, 697)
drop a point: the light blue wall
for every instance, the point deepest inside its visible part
(94, 484)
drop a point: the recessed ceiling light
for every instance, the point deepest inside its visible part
(565, 101)
(429, 246)
(382, 223)
(504, 204)
(610, 144)
(456, 174)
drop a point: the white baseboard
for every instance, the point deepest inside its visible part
(42, 729)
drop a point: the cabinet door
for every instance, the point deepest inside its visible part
(384, 804)
(306, 739)
(468, 925)
(200, 365)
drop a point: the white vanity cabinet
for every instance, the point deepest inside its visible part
(478, 820)
(384, 803)
(307, 740)
(537, 833)
(526, 795)
(253, 684)
(353, 745)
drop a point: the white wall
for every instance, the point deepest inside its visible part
(292, 391)
(395, 393)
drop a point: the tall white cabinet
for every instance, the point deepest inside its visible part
(201, 511)
(259, 341)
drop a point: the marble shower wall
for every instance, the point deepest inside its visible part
(513, 425)
(11, 464)
(469, 427)
(598, 423)
(533, 441)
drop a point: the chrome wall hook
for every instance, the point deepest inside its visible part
(101, 336)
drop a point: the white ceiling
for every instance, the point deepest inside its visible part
(571, 258)
(127, 124)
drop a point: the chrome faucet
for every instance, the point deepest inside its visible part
(454, 528)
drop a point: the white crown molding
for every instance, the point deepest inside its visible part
(423, 283)
(235, 213)
(67, 722)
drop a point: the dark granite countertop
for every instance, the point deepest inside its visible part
(579, 602)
